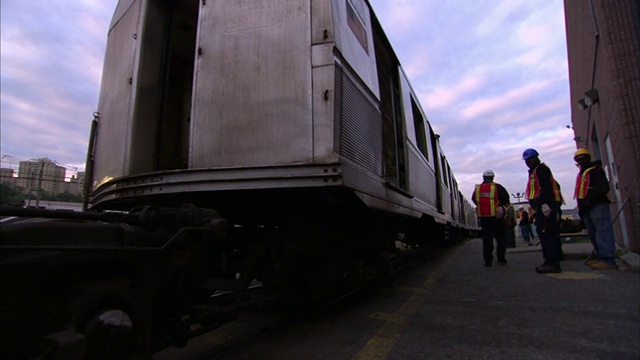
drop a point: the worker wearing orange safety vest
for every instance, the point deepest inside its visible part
(491, 199)
(543, 193)
(591, 191)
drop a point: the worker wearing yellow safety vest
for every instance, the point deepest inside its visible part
(544, 196)
(591, 191)
(491, 200)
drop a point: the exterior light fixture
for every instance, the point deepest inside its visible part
(591, 97)
(582, 104)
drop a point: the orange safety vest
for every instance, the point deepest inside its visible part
(486, 196)
(582, 184)
(533, 187)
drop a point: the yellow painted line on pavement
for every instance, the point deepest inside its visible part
(574, 275)
(379, 346)
(380, 315)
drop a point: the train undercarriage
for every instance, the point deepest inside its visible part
(127, 284)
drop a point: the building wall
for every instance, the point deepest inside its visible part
(604, 54)
(6, 176)
(73, 186)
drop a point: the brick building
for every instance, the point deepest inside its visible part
(603, 44)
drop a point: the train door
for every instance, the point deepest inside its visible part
(393, 131)
(173, 135)
(420, 129)
(437, 169)
(452, 193)
(616, 190)
(162, 106)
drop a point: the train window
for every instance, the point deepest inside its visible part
(445, 174)
(355, 20)
(418, 124)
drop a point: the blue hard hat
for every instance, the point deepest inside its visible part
(529, 153)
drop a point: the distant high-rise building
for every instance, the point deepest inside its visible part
(43, 171)
(73, 186)
(6, 176)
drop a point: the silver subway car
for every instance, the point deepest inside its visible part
(272, 112)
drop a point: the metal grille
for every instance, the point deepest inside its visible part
(361, 128)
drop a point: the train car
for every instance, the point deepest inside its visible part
(296, 116)
(236, 143)
(266, 111)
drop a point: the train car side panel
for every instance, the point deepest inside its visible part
(252, 91)
(114, 106)
(354, 39)
(419, 155)
(323, 70)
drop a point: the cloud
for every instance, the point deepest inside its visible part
(492, 77)
(520, 95)
(444, 96)
(52, 55)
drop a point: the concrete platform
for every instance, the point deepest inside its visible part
(455, 308)
(511, 312)
(578, 246)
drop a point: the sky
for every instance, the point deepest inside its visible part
(491, 76)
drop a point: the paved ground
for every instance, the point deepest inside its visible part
(510, 312)
(455, 308)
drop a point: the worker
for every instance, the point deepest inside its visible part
(525, 226)
(545, 198)
(491, 199)
(509, 227)
(591, 191)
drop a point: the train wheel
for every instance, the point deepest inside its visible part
(113, 321)
(109, 334)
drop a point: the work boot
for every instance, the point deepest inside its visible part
(548, 269)
(601, 265)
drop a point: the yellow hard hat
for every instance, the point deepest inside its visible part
(581, 152)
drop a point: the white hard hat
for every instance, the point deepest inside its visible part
(488, 173)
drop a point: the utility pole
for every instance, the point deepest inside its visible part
(39, 182)
(30, 187)
(518, 196)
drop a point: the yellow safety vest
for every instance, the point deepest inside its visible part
(582, 184)
(533, 187)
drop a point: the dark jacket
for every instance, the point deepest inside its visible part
(598, 188)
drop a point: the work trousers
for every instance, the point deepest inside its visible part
(548, 229)
(492, 227)
(600, 228)
(527, 234)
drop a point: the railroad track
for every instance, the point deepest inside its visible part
(266, 313)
